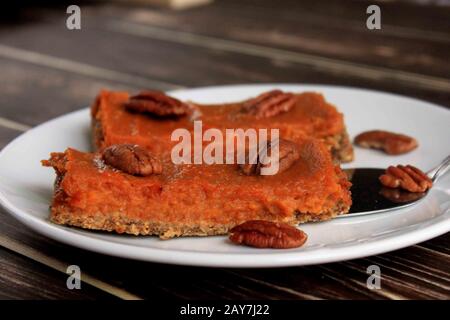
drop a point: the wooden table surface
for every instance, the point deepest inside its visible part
(47, 71)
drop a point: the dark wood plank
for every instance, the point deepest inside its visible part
(397, 281)
(129, 53)
(21, 278)
(6, 135)
(31, 94)
(325, 28)
(440, 244)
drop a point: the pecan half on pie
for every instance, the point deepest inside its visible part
(150, 195)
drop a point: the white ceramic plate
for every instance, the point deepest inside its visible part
(26, 187)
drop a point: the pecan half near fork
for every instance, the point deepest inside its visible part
(266, 234)
(406, 177)
(288, 154)
(157, 103)
(131, 159)
(389, 142)
(269, 104)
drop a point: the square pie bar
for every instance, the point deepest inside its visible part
(199, 199)
(309, 116)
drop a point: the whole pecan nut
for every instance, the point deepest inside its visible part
(266, 234)
(406, 177)
(157, 103)
(390, 142)
(269, 104)
(288, 154)
(131, 159)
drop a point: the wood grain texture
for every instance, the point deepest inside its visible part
(21, 278)
(31, 94)
(6, 135)
(173, 4)
(326, 29)
(48, 71)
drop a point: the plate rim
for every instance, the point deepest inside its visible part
(284, 258)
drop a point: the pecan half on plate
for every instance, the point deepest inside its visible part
(389, 142)
(266, 234)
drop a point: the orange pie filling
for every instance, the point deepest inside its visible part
(195, 199)
(311, 116)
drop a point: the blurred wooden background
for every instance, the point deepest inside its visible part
(47, 70)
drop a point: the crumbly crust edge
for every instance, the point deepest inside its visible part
(117, 222)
